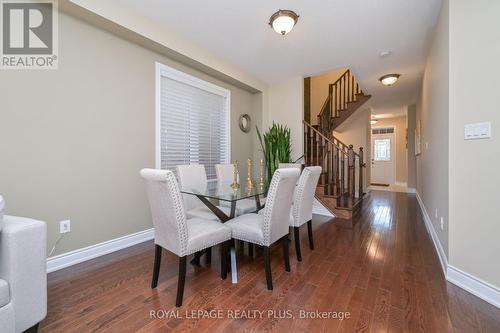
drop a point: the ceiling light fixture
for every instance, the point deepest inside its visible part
(389, 79)
(373, 121)
(283, 21)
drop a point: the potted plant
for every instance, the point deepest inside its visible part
(276, 146)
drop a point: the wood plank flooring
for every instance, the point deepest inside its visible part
(383, 272)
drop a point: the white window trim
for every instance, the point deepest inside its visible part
(174, 74)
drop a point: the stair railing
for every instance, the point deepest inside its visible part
(342, 166)
(340, 93)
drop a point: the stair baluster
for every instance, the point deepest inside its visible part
(361, 166)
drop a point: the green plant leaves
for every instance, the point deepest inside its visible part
(276, 146)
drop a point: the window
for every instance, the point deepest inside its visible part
(382, 148)
(192, 121)
(383, 130)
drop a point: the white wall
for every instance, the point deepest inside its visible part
(433, 113)
(320, 85)
(286, 106)
(356, 131)
(474, 180)
(411, 159)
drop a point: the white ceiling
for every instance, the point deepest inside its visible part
(330, 34)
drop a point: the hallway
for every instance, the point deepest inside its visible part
(384, 272)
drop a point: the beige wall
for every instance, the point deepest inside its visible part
(286, 102)
(73, 140)
(433, 113)
(411, 160)
(401, 150)
(356, 131)
(319, 91)
(474, 182)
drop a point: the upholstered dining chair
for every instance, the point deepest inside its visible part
(176, 233)
(302, 205)
(273, 225)
(225, 175)
(194, 176)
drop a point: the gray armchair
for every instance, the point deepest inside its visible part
(23, 278)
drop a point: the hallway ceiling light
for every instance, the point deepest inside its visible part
(283, 21)
(389, 79)
(373, 121)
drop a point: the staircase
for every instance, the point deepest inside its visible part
(340, 188)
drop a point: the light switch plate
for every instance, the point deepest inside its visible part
(477, 131)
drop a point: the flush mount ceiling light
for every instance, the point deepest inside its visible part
(373, 121)
(283, 21)
(389, 79)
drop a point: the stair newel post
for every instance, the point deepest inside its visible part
(361, 165)
(350, 170)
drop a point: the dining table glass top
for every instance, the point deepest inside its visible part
(224, 191)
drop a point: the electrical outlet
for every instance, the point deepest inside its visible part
(442, 223)
(436, 213)
(64, 226)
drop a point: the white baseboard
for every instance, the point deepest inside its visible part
(432, 232)
(466, 281)
(474, 285)
(319, 209)
(90, 252)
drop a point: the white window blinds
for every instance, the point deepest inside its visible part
(193, 121)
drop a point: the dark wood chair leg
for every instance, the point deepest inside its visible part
(296, 236)
(181, 281)
(208, 254)
(230, 244)
(267, 264)
(250, 250)
(310, 234)
(196, 258)
(156, 266)
(284, 242)
(223, 260)
(33, 329)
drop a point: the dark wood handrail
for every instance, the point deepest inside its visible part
(340, 93)
(332, 142)
(345, 73)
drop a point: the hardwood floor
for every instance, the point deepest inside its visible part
(383, 271)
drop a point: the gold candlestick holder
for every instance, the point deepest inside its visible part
(261, 180)
(249, 175)
(235, 185)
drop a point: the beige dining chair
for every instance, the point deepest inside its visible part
(303, 199)
(273, 225)
(176, 233)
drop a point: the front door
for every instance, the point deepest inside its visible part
(382, 172)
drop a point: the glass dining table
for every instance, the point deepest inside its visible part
(223, 191)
